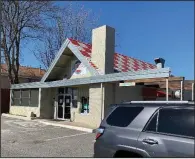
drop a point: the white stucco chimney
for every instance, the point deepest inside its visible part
(103, 48)
(160, 62)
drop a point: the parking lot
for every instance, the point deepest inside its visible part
(20, 138)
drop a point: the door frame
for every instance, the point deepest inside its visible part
(63, 106)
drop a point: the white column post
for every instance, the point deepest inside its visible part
(39, 102)
(102, 102)
(11, 99)
(167, 89)
(182, 89)
(192, 91)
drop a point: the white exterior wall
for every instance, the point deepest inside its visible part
(47, 103)
(128, 93)
(76, 112)
(24, 110)
(110, 94)
(94, 116)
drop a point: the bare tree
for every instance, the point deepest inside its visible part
(70, 22)
(22, 20)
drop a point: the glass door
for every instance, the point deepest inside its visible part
(67, 106)
(60, 107)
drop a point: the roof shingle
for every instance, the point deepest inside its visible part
(25, 71)
(122, 63)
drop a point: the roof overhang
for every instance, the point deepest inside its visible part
(76, 52)
(154, 80)
(63, 47)
(114, 77)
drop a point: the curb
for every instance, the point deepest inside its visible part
(68, 126)
(16, 116)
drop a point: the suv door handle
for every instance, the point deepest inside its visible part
(150, 141)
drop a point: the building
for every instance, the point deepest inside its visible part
(175, 88)
(26, 74)
(83, 80)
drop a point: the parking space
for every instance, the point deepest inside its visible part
(21, 138)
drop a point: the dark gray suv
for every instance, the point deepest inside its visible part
(147, 129)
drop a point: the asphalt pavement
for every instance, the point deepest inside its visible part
(21, 138)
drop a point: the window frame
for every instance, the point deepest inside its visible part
(24, 97)
(160, 133)
(75, 94)
(149, 121)
(30, 97)
(21, 98)
(18, 98)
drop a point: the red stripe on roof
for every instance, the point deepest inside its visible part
(128, 63)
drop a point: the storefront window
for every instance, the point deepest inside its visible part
(25, 97)
(84, 105)
(74, 97)
(61, 90)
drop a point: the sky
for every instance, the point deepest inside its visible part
(147, 30)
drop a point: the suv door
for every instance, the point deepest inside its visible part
(169, 133)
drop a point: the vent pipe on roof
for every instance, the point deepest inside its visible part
(160, 62)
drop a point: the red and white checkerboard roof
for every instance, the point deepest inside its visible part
(122, 63)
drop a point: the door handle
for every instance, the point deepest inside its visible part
(150, 141)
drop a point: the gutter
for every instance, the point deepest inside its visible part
(114, 77)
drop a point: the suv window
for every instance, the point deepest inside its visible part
(123, 116)
(177, 121)
(152, 123)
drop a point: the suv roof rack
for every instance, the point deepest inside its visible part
(159, 102)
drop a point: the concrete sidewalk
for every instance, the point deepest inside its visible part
(67, 124)
(59, 123)
(16, 116)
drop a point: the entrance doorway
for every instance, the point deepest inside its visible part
(64, 106)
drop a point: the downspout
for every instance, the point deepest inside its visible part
(102, 102)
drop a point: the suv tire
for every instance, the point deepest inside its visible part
(126, 154)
